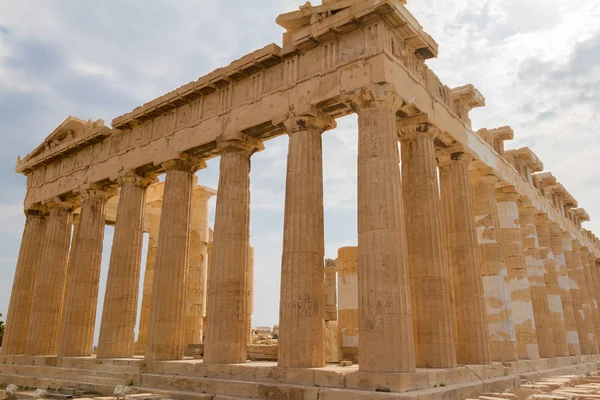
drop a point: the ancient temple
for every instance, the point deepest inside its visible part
(472, 267)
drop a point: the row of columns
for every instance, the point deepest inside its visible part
(452, 273)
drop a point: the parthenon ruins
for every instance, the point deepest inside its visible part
(472, 267)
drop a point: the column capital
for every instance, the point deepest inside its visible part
(453, 155)
(507, 193)
(479, 176)
(95, 190)
(317, 121)
(426, 129)
(373, 95)
(576, 245)
(36, 211)
(528, 210)
(242, 143)
(185, 163)
(543, 220)
(58, 203)
(136, 179)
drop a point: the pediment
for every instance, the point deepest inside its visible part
(70, 135)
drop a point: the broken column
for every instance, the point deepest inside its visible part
(347, 263)
(429, 281)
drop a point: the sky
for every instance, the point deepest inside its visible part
(537, 62)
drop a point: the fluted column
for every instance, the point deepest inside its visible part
(494, 272)
(81, 301)
(250, 290)
(518, 282)
(596, 290)
(226, 331)
(121, 298)
(586, 307)
(140, 344)
(26, 273)
(48, 295)
(564, 287)
(302, 301)
(166, 328)
(428, 270)
(537, 282)
(196, 283)
(591, 295)
(553, 292)
(386, 341)
(574, 288)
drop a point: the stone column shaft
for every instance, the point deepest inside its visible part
(250, 287)
(48, 296)
(494, 272)
(518, 282)
(596, 290)
(590, 291)
(140, 344)
(432, 313)
(166, 330)
(574, 288)
(553, 292)
(578, 275)
(26, 273)
(537, 282)
(302, 301)
(196, 289)
(226, 331)
(386, 341)
(330, 290)
(348, 325)
(564, 287)
(81, 301)
(121, 298)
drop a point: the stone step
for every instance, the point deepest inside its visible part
(61, 372)
(56, 383)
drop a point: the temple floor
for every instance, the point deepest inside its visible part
(192, 379)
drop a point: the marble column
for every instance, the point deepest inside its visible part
(48, 295)
(226, 331)
(591, 295)
(166, 328)
(330, 287)
(518, 282)
(250, 290)
(122, 286)
(537, 283)
(81, 302)
(494, 272)
(564, 288)
(553, 292)
(574, 288)
(26, 273)
(586, 304)
(155, 207)
(433, 324)
(596, 290)
(386, 341)
(196, 283)
(348, 325)
(302, 301)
